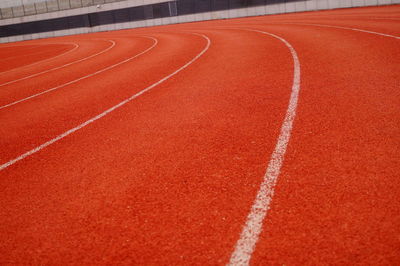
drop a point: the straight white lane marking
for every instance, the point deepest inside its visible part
(251, 231)
(63, 135)
(82, 78)
(59, 67)
(345, 28)
(76, 46)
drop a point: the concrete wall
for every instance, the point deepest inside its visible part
(59, 10)
(297, 6)
(19, 8)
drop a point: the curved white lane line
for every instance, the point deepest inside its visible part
(345, 28)
(59, 67)
(251, 231)
(82, 78)
(63, 135)
(76, 46)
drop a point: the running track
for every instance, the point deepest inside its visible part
(265, 140)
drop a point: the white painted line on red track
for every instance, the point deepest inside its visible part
(59, 67)
(82, 78)
(345, 28)
(251, 231)
(76, 46)
(63, 135)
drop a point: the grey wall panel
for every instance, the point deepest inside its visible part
(41, 7)
(62, 4)
(87, 2)
(52, 5)
(27, 2)
(357, 2)
(10, 3)
(322, 4)
(18, 11)
(371, 2)
(7, 13)
(300, 6)
(75, 3)
(29, 9)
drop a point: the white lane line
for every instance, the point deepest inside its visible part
(76, 46)
(63, 135)
(82, 78)
(345, 28)
(59, 67)
(251, 231)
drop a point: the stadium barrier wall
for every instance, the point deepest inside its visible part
(145, 13)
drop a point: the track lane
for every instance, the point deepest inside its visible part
(36, 78)
(174, 141)
(24, 61)
(341, 144)
(112, 44)
(10, 51)
(335, 201)
(15, 93)
(35, 52)
(87, 98)
(251, 230)
(386, 250)
(39, 65)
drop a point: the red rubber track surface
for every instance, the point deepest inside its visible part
(18, 57)
(170, 177)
